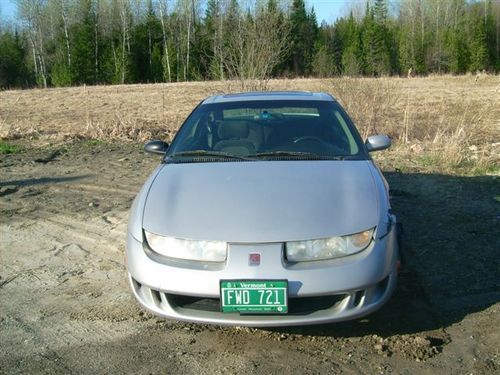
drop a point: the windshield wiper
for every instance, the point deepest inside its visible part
(295, 154)
(206, 153)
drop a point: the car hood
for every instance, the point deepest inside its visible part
(262, 201)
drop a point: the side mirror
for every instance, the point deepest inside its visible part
(377, 142)
(156, 147)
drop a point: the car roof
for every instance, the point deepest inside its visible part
(269, 95)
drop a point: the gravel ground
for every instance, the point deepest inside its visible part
(65, 305)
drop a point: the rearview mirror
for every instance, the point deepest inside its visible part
(377, 142)
(156, 147)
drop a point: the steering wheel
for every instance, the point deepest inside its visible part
(308, 138)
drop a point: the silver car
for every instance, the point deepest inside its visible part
(266, 210)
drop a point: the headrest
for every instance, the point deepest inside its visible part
(233, 129)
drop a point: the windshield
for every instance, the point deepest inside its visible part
(270, 129)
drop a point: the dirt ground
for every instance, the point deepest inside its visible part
(65, 306)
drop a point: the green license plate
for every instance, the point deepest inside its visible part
(254, 296)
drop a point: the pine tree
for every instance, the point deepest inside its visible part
(327, 61)
(337, 45)
(459, 52)
(491, 35)
(380, 11)
(212, 41)
(13, 69)
(298, 21)
(353, 58)
(156, 64)
(377, 40)
(406, 49)
(478, 43)
(282, 21)
(83, 46)
(310, 39)
(232, 16)
(369, 47)
(145, 36)
(411, 47)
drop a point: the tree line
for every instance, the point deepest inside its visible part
(73, 42)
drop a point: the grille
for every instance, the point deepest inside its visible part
(307, 305)
(194, 303)
(298, 305)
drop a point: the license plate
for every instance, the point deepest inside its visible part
(254, 296)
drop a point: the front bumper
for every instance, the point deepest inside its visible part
(319, 292)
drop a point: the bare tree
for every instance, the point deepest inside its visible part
(255, 48)
(187, 12)
(95, 5)
(163, 8)
(115, 18)
(182, 21)
(189, 4)
(125, 41)
(62, 7)
(216, 38)
(32, 13)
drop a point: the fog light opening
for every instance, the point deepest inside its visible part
(358, 297)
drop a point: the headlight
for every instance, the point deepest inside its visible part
(208, 251)
(328, 248)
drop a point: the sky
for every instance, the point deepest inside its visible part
(7, 8)
(327, 10)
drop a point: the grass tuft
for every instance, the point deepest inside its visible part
(7, 148)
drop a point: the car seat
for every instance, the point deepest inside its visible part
(233, 138)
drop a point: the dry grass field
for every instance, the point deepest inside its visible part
(71, 163)
(438, 123)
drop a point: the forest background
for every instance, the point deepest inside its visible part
(75, 42)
